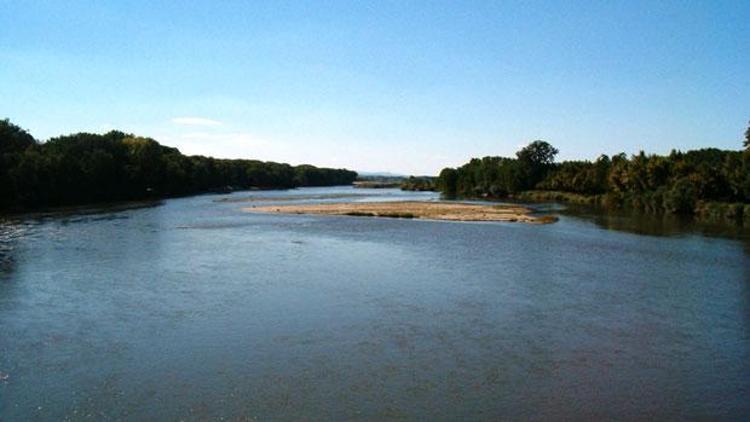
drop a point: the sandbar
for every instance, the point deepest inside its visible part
(434, 210)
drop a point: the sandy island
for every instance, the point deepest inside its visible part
(452, 211)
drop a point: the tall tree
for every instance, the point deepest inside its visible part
(535, 161)
(13, 138)
(13, 142)
(538, 153)
(447, 180)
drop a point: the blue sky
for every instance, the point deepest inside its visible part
(402, 86)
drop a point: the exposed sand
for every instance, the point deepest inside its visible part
(452, 211)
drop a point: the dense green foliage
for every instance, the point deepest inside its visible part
(378, 182)
(500, 176)
(680, 183)
(418, 183)
(85, 168)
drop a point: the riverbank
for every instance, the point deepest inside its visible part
(375, 184)
(703, 211)
(557, 196)
(450, 211)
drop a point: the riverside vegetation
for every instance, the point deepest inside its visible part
(711, 184)
(411, 183)
(83, 168)
(86, 168)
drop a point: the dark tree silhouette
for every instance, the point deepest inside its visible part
(538, 153)
(678, 183)
(84, 167)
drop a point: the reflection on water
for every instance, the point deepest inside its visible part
(10, 231)
(195, 310)
(657, 225)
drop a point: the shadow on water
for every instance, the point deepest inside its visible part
(654, 225)
(664, 226)
(633, 222)
(9, 234)
(84, 213)
(14, 227)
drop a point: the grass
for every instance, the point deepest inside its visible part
(557, 196)
(385, 214)
(397, 215)
(360, 214)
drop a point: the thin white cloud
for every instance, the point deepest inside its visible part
(195, 121)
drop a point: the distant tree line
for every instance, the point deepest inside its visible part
(500, 176)
(85, 168)
(418, 183)
(677, 183)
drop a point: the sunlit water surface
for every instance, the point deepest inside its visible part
(192, 309)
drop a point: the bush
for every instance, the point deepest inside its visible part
(360, 214)
(720, 212)
(681, 198)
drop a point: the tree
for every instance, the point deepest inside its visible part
(535, 161)
(13, 142)
(87, 167)
(13, 138)
(681, 198)
(747, 137)
(447, 181)
(538, 153)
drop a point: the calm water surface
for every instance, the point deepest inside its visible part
(192, 309)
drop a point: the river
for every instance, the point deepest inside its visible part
(192, 309)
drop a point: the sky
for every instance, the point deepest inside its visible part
(407, 87)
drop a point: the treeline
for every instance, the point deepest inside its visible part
(86, 168)
(418, 183)
(680, 183)
(500, 176)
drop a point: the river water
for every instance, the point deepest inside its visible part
(192, 309)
